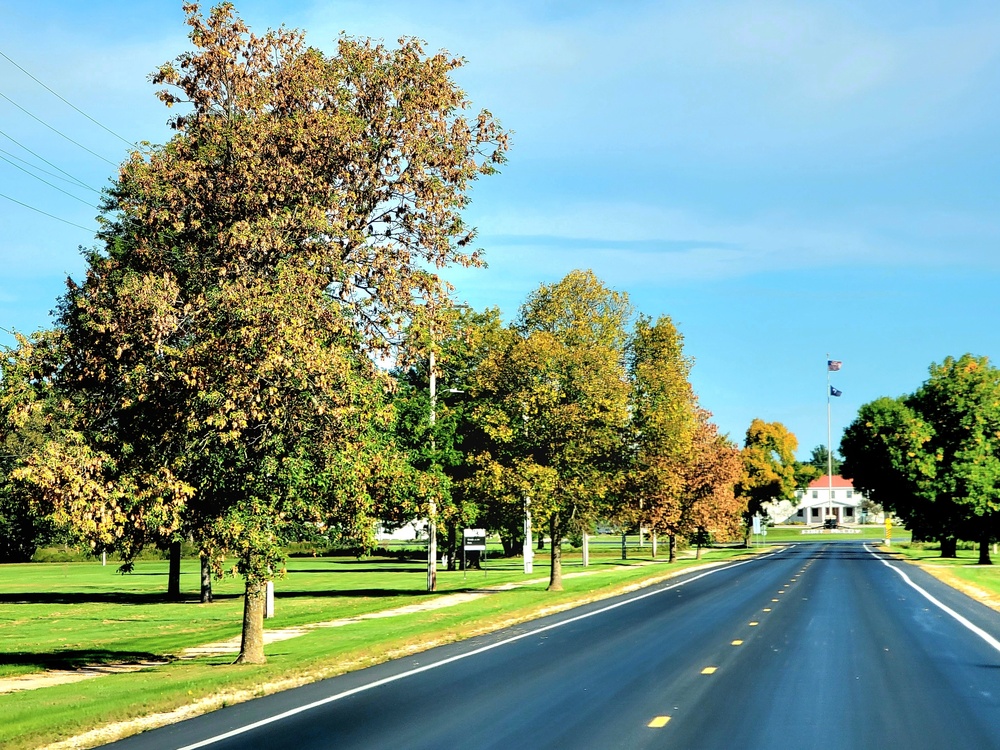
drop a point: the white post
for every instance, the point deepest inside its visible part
(104, 558)
(652, 540)
(432, 506)
(586, 549)
(269, 600)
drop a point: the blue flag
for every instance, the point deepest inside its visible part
(834, 391)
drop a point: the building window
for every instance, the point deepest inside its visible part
(815, 512)
(850, 493)
(815, 493)
(800, 513)
(833, 493)
(849, 512)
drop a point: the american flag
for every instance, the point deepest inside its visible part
(833, 365)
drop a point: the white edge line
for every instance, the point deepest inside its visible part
(458, 657)
(940, 605)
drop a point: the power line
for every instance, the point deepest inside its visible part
(56, 131)
(54, 187)
(80, 182)
(46, 213)
(45, 171)
(100, 125)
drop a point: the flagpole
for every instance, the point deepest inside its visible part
(829, 443)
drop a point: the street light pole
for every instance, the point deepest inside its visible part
(432, 507)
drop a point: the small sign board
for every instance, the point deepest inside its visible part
(756, 524)
(474, 540)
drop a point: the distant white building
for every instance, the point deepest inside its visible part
(824, 498)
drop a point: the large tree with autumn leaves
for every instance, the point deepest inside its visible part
(220, 344)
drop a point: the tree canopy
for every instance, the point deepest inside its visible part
(555, 400)
(933, 457)
(249, 269)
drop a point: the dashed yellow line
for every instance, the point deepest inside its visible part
(767, 609)
(754, 624)
(659, 721)
(709, 670)
(737, 642)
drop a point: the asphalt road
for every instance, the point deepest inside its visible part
(819, 645)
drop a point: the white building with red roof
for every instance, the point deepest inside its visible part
(827, 497)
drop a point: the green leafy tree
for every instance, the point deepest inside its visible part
(768, 466)
(661, 432)
(888, 457)
(822, 461)
(249, 268)
(554, 398)
(459, 339)
(29, 410)
(961, 399)
(934, 457)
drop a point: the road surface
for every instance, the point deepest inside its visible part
(817, 645)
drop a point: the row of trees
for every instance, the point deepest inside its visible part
(213, 376)
(573, 412)
(933, 457)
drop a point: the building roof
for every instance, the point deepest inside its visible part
(824, 482)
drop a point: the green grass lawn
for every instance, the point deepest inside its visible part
(963, 569)
(70, 614)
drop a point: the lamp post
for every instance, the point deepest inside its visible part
(432, 505)
(432, 508)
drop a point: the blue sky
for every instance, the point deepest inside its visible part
(784, 179)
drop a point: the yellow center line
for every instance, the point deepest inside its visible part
(775, 600)
(737, 643)
(767, 609)
(754, 624)
(659, 721)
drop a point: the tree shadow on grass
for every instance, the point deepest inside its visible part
(75, 659)
(110, 597)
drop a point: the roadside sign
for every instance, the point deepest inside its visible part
(756, 524)
(474, 540)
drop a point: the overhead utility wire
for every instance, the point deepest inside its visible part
(57, 132)
(15, 157)
(79, 182)
(54, 187)
(100, 125)
(46, 213)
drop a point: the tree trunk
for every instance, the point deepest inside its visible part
(697, 551)
(174, 574)
(984, 550)
(555, 573)
(252, 644)
(673, 548)
(949, 547)
(206, 580)
(541, 541)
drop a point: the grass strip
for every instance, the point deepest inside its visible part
(57, 619)
(981, 582)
